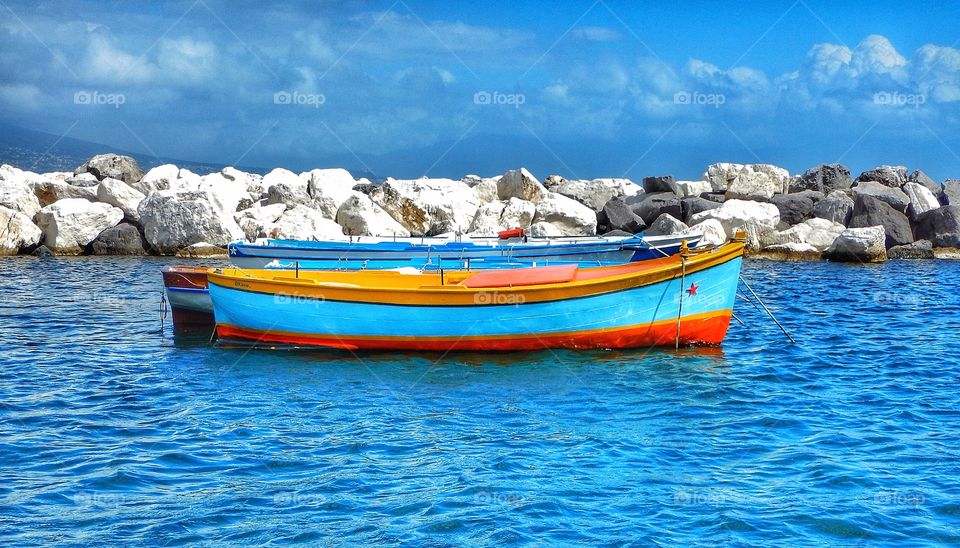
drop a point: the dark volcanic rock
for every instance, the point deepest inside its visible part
(718, 197)
(43, 252)
(691, 206)
(892, 176)
(82, 182)
(652, 206)
(796, 208)
(897, 198)
(660, 183)
(823, 178)
(870, 211)
(836, 207)
(114, 166)
(920, 249)
(617, 215)
(365, 188)
(950, 194)
(940, 226)
(123, 239)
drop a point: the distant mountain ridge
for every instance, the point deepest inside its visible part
(44, 152)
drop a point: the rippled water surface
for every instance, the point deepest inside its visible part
(113, 432)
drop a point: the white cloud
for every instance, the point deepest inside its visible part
(187, 59)
(20, 96)
(876, 55)
(110, 64)
(937, 72)
(825, 63)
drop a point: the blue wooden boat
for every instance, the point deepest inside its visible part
(684, 299)
(380, 253)
(186, 287)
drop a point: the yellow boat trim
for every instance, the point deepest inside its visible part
(434, 289)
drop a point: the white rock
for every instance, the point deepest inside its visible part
(10, 173)
(793, 250)
(520, 183)
(255, 220)
(49, 191)
(747, 181)
(823, 232)
(252, 181)
(173, 220)
(712, 232)
(305, 223)
(487, 220)
(18, 196)
(359, 216)
(487, 191)
(793, 235)
(553, 181)
(17, 231)
(186, 180)
(859, 245)
(230, 195)
(83, 179)
(686, 189)
(119, 194)
(594, 194)
(62, 175)
(158, 178)
(665, 225)
(330, 188)
(567, 214)
(428, 206)
(754, 217)
(545, 230)
(517, 213)
(285, 176)
(70, 224)
(471, 180)
(921, 198)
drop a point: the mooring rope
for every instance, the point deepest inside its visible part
(683, 283)
(767, 310)
(163, 310)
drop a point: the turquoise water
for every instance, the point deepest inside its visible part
(113, 432)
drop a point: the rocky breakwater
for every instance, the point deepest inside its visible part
(110, 206)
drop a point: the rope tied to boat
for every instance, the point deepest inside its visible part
(163, 310)
(767, 310)
(684, 251)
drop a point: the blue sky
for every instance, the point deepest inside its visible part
(409, 88)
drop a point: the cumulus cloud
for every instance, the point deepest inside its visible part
(108, 63)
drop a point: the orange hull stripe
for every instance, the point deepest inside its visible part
(705, 329)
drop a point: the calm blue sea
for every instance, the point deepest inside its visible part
(112, 432)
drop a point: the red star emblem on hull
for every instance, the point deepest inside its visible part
(693, 289)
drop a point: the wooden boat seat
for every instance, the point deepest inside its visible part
(522, 276)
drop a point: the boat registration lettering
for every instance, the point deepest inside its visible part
(241, 284)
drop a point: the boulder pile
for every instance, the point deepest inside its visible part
(110, 206)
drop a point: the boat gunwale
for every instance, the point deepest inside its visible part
(429, 294)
